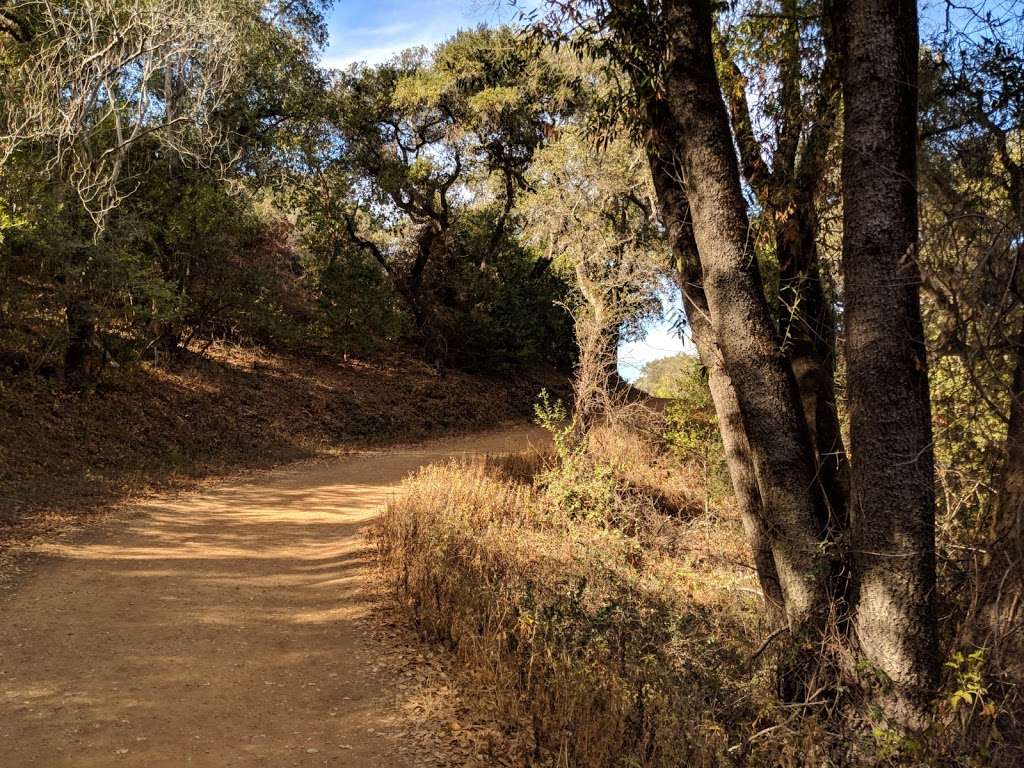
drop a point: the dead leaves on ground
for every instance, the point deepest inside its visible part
(439, 720)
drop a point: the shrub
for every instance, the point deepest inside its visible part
(614, 652)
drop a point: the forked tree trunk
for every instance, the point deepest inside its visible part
(892, 505)
(808, 328)
(675, 213)
(787, 195)
(761, 375)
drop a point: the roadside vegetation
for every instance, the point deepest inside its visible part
(850, 520)
(611, 616)
(601, 595)
(805, 549)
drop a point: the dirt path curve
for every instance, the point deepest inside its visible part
(214, 629)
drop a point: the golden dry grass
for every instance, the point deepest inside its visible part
(605, 610)
(616, 634)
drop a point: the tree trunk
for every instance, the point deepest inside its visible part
(786, 194)
(83, 356)
(892, 504)
(675, 213)
(808, 330)
(763, 380)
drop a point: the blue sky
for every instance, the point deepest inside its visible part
(373, 30)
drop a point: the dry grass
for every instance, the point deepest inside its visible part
(592, 599)
(581, 644)
(643, 466)
(616, 635)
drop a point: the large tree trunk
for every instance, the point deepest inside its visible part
(675, 213)
(759, 371)
(787, 194)
(892, 506)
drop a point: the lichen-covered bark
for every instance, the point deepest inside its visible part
(892, 504)
(760, 373)
(675, 213)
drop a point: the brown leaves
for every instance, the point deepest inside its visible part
(437, 721)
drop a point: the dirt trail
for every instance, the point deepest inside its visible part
(221, 628)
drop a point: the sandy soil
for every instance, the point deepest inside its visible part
(228, 627)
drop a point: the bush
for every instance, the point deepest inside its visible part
(692, 425)
(582, 606)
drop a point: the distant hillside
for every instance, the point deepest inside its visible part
(664, 377)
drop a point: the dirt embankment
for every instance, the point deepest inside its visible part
(66, 456)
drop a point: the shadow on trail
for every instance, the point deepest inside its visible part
(224, 628)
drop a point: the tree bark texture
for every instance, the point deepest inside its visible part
(675, 213)
(808, 330)
(892, 505)
(760, 373)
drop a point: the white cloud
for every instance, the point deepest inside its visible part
(370, 55)
(382, 30)
(340, 56)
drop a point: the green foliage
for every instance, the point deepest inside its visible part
(506, 316)
(667, 376)
(550, 414)
(422, 164)
(969, 688)
(692, 424)
(171, 246)
(358, 314)
(345, 215)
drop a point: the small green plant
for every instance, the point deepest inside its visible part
(582, 488)
(970, 687)
(892, 744)
(553, 416)
(692, 431)
(875, 676)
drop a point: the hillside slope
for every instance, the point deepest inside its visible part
(63, 456)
